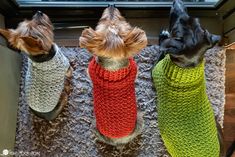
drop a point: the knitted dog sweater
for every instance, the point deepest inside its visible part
(185, 116)
(114, 99)
(44, 82)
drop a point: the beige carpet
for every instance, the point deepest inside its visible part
(71, 134)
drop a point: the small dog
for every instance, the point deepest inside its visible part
(185, 46)
(47, 83)
(113, 72)
(186, 118)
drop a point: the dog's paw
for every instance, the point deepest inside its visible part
(163, 35)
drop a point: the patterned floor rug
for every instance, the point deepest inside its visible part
(71, 134)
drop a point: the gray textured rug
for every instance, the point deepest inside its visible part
(71, 134)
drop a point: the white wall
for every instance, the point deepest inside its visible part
(10, 62)
(2, 25)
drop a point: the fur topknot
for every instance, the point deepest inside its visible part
(113, 37)
(34, 37)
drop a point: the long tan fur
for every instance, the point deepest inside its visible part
(113, 42)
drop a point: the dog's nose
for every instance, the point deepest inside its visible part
(39, 13)
(111, 5)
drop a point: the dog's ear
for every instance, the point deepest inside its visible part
(31, 42)
(135, 41)
(177, 10)
(90, 40)
(30, 45)
(212, 39)
(6, 33)
(164, 34)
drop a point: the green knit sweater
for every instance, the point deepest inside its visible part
(185, 116)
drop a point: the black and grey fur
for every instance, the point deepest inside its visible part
(187, 41)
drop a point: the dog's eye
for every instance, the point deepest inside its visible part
(179, 38)
(205, 32)
(33, 37)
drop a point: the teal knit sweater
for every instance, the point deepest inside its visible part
(185, 116)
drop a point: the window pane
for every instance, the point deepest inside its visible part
(144, 3)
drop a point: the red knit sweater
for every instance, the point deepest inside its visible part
(114, 99)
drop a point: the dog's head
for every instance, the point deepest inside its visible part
(34, 37)
(113, 37)
(188, 41)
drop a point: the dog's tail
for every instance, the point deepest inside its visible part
(231, 150)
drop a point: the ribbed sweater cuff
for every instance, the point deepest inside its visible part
(59, 60)
(112, 75)
(182, 75)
